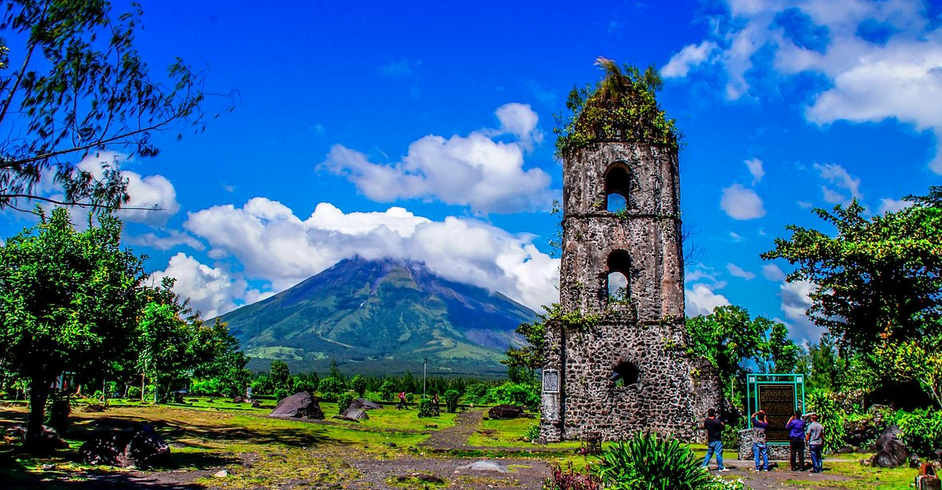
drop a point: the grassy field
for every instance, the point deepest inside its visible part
(261, 452)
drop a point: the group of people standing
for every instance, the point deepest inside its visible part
(800, 432)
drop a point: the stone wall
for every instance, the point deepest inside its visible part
(668, 392)
(777, 452)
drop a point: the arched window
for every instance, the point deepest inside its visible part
(619, 268)
(617, 183)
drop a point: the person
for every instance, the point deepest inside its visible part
(714, 429)
(759, 447)
(815, 438)
(796, 441)
(402, 401)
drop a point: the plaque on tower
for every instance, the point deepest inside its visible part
(550, 381)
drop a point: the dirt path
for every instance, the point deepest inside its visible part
(779, 478)
(455, 437)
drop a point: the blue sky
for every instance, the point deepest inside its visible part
(424, 130)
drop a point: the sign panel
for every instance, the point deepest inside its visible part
(778, 401)
(550, 381)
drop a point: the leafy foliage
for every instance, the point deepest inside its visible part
(509, 393)
(648, 462)
(358, 384)
(922, 430)
(427, 408)
(728, 337)
(831, 416)
(621, 107)
(344, 400)
(69, 300)
(877, 280)
(570, 479)
(81, 87)
(451, 400)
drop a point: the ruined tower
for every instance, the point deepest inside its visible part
(616, 360)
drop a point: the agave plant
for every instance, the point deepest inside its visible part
(646, 462)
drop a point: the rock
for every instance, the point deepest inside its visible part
(505, 412)
(353, 415)
(48, 467)
(485, 465)
(142, 448)
(256, 404)
(221, 474)
(300, 406)
(240, 399)
(364, 404)
(49, 440)
(890, 451)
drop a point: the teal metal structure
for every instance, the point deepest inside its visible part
(779, 395)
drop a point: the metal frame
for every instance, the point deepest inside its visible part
(753, 381)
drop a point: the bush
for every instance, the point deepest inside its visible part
(922, 429)
(358, 384)
(532, 432)
(570, 479)
(451, 400)
(388, 390)
(831, 416)
(645, 462)
(281, 394)
(328, 396)
(410, 398)
(427, 408)
(344, 400)
(332, 385)
(134, 392)
(516, 394)
(475, 393)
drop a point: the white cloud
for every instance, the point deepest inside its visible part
(474, 170)
(173, 238)
(881, 60)
(690, 56)
(736, 271)
(701, 300)
(153, 194)
(275, 246)
(741, 203)
(796, 299)
(892, 205)
(755, 168)
(840, 178)
(736, 237)
(773, 273)
(211, 290)
(400, 68)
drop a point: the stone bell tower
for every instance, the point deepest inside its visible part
(617, 363)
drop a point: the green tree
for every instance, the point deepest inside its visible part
(728, 338)
(216, 355)
(76, 85)
(358, 384)
(279, 376)
(878, 287)
(878, 279)
(164, 338)
(69, 301)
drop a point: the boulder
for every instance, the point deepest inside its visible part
(240, 399)
(299, 406)
(891, 453)
(505, 412)
(353, 414)
(364, 404)
(49, 440)
(484, 465)
(141, 448)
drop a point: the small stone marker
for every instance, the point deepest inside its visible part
(485, 465)
(221, 474)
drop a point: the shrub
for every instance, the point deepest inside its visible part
(344, 400)
(831, 416)
(328, 396)
(532, 432)
(427, 408)
(475, 393)
(570, 479)
(358, 384)
(516, 394)
(451, 400)
(410, 398)
(388, 390)
(332, 385)
(922, 429)
(281, 394)
(645, 462)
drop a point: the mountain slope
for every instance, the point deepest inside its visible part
(380, 317)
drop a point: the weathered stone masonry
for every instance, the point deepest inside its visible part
(631, 371)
